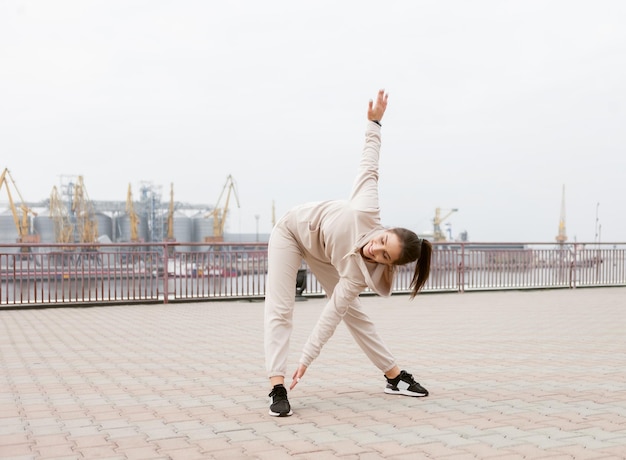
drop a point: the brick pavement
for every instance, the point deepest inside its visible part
(512, 374)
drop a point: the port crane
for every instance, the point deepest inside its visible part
(219, 212)
(273, 214)
(82, 208)
(60, 215)
(561, 237)
(438, 234)
(132, 215)
(170, 216)
(21, 222)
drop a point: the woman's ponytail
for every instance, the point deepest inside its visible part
(415, 249)
(422, 268)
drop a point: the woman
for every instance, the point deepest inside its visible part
(348, 250)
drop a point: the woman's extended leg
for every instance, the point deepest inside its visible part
(364, 333)
(366, 336)
(284, 260)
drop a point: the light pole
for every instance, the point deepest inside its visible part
(256, 216)
(595, 238)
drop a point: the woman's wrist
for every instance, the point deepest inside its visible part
(377, 122)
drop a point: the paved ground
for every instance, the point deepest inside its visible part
(538, 374)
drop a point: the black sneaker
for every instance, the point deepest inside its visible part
(279, 404)
(405, 384)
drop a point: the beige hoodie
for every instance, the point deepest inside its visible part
(333, 233)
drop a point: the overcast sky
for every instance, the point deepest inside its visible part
(494, 106)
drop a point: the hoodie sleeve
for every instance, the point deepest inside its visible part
(364, 195)
(343, 296)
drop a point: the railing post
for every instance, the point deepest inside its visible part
(572, 269)
(461, 269)
(166, 283)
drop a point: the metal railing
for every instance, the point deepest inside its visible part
(85, 274)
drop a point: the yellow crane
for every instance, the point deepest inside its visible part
(562, 235)
(219, 212)
(82, 207)
(132, 215)
(170, 216)
(438, 234)
(22, 223)
(60, 215)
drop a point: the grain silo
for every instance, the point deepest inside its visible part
(8, 231)
(105, 225)
(44, 227)
(202, 227)
(183, 230)
(123, 229)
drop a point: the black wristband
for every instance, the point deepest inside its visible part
(377, 122)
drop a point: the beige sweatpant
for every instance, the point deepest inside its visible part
(284, 260)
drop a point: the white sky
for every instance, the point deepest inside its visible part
(494, 106)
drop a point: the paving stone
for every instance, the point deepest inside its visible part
(16, 450)
(17, 438)
(103, 452)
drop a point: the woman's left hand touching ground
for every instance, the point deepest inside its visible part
(297, 375)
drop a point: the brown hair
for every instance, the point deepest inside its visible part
(417, 249)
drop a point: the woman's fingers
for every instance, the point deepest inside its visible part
(297, 375)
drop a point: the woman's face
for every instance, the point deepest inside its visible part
(384, 248)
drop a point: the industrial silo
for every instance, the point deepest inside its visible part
(8, 231)
(105, 225)
(183, 230)
(44, 227)
(202, 227)
(123, 229)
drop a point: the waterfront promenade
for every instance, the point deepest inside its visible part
(512, 374)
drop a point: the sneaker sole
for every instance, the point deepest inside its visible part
(280, 414)
(405, 393)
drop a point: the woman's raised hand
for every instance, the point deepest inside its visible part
(375, 111)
